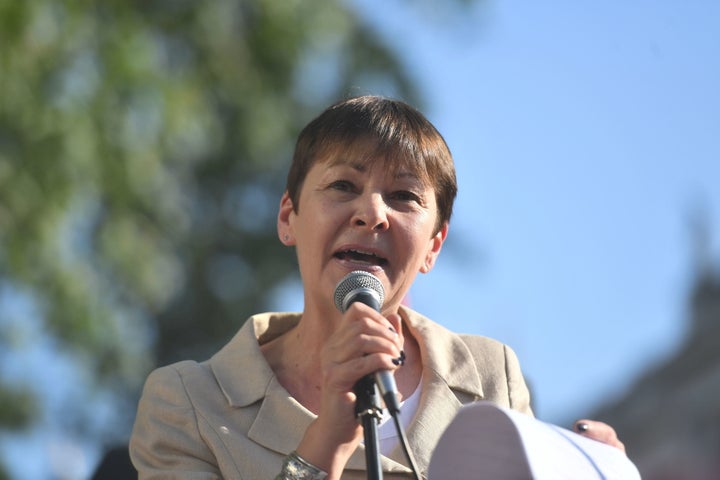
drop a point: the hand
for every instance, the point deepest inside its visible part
(363, 342)
(602, 432)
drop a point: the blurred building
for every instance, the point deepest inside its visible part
(670, 419)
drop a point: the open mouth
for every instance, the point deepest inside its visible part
(359, 256)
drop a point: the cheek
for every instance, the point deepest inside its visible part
(416, 240)
(421, 229)
(318, 219)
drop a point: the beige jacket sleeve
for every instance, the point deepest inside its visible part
(166, 441)
(499, 368)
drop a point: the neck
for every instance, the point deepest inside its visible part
(295, 358)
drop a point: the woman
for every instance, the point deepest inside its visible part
(371, 187)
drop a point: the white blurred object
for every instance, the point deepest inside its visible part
(485, 441)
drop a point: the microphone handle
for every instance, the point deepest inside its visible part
(383, 378)
(385, 381)
(366, 403)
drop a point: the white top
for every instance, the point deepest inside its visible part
(387, 434)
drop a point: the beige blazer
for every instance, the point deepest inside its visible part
(229, 417)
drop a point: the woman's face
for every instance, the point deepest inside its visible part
(352, 216)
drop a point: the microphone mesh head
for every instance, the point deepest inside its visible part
(357, 280)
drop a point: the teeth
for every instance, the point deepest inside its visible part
(363, 253)
(361, 256)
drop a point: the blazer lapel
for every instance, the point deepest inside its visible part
(450, 380)
(281, 421)
(246, 379)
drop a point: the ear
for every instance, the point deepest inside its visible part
(284, 226)
(434, 247)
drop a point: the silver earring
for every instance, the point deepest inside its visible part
(286, 237)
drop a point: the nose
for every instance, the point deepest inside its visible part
(371, 212)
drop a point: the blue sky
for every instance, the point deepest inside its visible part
(585, 136)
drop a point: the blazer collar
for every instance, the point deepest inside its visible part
(240, 367)
(247, 380)
(444, 354)
(450, 380)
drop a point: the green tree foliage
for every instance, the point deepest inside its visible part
(143, 147)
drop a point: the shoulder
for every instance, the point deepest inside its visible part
(499, 367)
(482, 343)
(175, 374)
(434, 334)
(440, 340)
(219, 380)
(172, 385)
(476, 364)
(168, 434)
(486, 349)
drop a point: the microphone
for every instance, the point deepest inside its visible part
(366, 288)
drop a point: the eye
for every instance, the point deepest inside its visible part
(406, 196)
(342, 186)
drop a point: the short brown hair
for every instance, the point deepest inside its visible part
(383, 129)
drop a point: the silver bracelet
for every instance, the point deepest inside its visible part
(297, 468)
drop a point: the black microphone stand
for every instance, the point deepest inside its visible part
(369, 413)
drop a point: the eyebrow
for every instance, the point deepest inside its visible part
(405, 174)
(354, 164)
(362, 167)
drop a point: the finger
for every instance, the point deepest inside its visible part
(361, 345)
(602, 432)
(364, 334)
(341, 377)
(361, 311)
(361, 322)
(364, 345)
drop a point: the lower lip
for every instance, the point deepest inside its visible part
(366, 267)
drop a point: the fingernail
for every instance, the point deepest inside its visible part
(582, 427)
(392, 329)
(400, 361)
